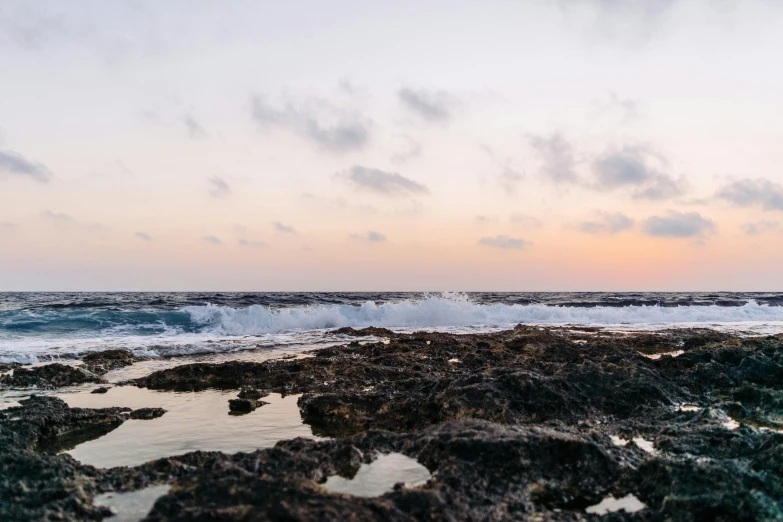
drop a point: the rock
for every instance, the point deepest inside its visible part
(371, 330)
(522, 427)
(100, 389)
(244, 405)
(48, 424)
(7, 367)
(108, 360)
(147, 413)
(54, 375)
(252, 393)
(39, 486)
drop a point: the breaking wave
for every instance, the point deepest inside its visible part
(455, 310)
(28, 335)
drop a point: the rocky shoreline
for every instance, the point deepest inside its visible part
(526, 424)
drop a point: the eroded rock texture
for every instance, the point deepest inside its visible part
(527, 424)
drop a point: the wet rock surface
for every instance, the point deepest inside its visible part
(244, 405)
(147, 413)
(49, 376)
(527, 424)
(103, 362)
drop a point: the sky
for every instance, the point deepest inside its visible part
(528, 145)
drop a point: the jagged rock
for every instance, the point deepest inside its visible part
(108, 360)
(54, 375)
(147, 413)
(244, 405)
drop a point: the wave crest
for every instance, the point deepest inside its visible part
(455, 310)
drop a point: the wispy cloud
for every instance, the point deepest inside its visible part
(556, 158)
(194, 128)
(330, 127)
(753, 192)
(405, 149)
(629, 167)
(370, 237)
(213, 240)
(508, 176)
(626, 108)
(286, 229)
(219, 188)
(337, 204)
(56, 216)
(143, 236)
(432, 106)
(679, 224)
(760, 227)
(381, 182)
(253, 244)
(486, 219)
(525, 221)
(607, 223)
(15, 164)
(505, 242)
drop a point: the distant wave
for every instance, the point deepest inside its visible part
(453, 310)
(31, 335)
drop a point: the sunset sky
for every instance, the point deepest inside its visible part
(442, 145)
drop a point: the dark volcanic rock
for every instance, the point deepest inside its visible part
(252, 393)
(108, 360)
(38, 486)
(515, 425)
(147, 413)
(48, 424)
(101, 389)
(519, 376)
(244, 405)
(53, 375)
(371, 330)
(7, 367)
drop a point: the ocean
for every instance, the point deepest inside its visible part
(37, 327)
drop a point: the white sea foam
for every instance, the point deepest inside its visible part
(456, 310)
(222, 329)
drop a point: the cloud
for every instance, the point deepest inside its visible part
(754, 192)
(14, 163)
(508, 177)
(679, 224)
(525, 221)
(385, 183)
(283, 228)
(630, 168)
(406, 149)
(142, 235)
(220, 188)
(607, 223)
(212, 239)
(195, 130)
(328, 126)
(486, 219)
(7, 224)
(432, 106)
(505, 242)
(370, 237)
(337, 204)
(626, 108)
(760, 227)
(56, 216)
(556, 158)
(254, 244)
